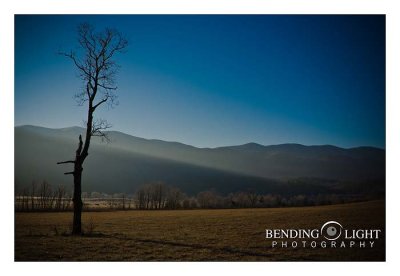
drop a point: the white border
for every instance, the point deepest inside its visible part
(7, 11)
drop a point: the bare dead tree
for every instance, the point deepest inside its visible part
(33, 192)
(174, 197)
(253, 198)
(140, 199)
(67, 202)
(45, 196)
(207, 199)
(147, 195)
(60, 197)
(123, 201)
(97, 69)
(129, 202)
(158, 191)
(23, 201)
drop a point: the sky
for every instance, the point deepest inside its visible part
(216, 80)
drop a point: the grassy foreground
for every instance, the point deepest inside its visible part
(191, 235)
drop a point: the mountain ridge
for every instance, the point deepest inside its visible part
(128, 162)
(83, 130)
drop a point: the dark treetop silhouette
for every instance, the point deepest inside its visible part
(97, 69)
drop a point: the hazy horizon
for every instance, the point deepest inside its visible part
(218, 146)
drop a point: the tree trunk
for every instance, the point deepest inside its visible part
(77, 200)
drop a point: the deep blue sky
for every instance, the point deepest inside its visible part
(217, 80)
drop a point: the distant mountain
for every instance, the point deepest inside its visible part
(128, 162)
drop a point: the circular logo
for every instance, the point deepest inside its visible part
(331, 230)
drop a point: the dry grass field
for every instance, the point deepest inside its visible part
(191, 235)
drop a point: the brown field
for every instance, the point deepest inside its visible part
(192, 235)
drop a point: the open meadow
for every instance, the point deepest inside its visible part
(192, 235)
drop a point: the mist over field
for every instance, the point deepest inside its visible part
(128, 162)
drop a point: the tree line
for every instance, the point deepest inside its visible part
(158, 196)
(43, 197)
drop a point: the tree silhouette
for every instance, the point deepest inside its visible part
(97, 69)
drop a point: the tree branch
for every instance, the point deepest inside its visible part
(99, 103)
(107, 87)
(98, 127)
(65, 162)
(72, 56)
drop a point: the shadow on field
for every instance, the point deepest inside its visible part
(122, 237)
(224, 249)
